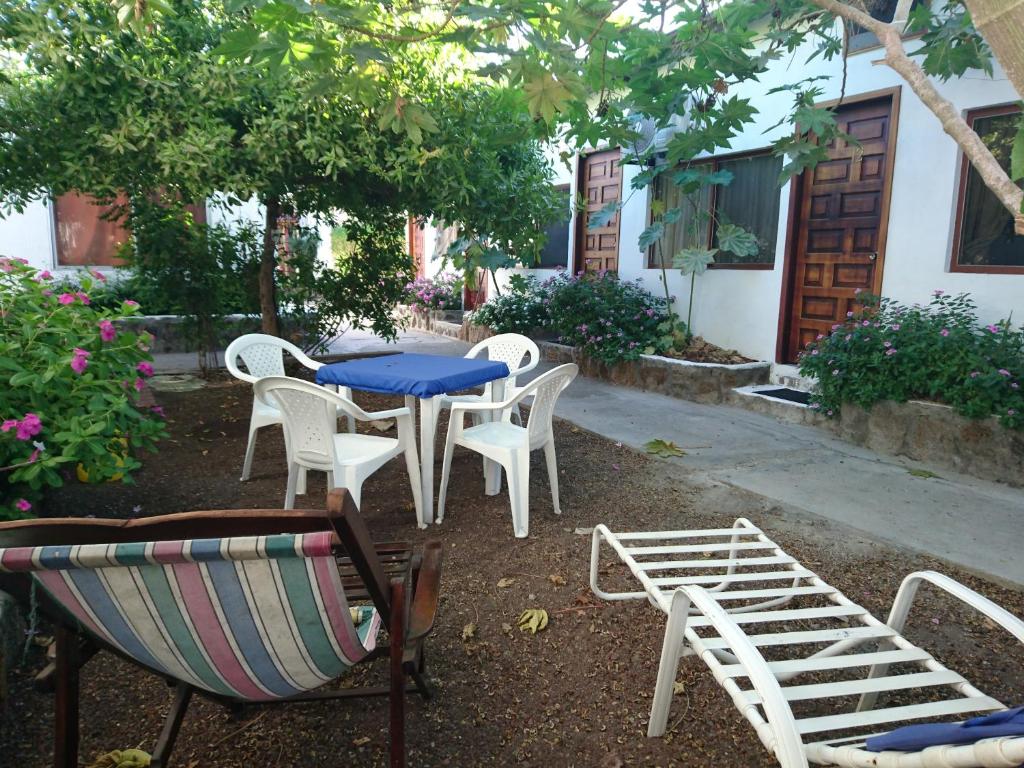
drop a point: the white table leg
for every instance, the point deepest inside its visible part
(492, 469)
(429, 411)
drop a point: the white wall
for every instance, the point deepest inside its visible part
(29, 235)
(740, 308)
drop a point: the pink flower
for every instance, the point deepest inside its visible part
(139, 384)
(33, 456)
(8, 425)
(130, 303)
(1011, 412)
(975, 374)
(890, 352)
(144, 368)
(992, 328)
(886, 344)
(84, 297)
(107, 330)
(895, 326)
(944, 332)
(1003, 372)
(938, 292)
(849, 314)
(29, 427)
(23, 504)
(66, 298)
(80, 360)
(98, 275)
(157, 410)
(45, 275)
(820, 336)
(814, 352)
(866, 323)
(47, 293)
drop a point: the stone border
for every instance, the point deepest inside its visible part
(171, 332)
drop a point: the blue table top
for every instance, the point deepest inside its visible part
(408, 373)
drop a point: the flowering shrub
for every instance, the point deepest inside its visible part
(521, 309)
(70, 383)
(939, 352)
(611, 319)
(443, 291)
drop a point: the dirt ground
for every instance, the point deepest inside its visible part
(576, 694)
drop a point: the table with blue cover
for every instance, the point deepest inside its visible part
(426, 378)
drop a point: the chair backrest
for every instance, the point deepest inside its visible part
(263, 355)
(545, 388)
(251, 617)
(310, 417)
(511, 349)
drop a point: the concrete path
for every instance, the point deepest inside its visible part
(973, 523)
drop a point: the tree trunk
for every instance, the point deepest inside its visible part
(1001, 23)
(268, 261)
(953, 123)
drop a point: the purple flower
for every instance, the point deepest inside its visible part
(975, 374)
(1011, 412)
(80, 360)
(895, 326)
(828, 412)
(835, 371)
(820, 336)
(107, 330)
(814, 352)
(157, 410)
(866, 323)
(944, 332)
(139, 384)
(23, 504)
(938, 292)
(886, 344)
(992, 328)
(1003, 372)
(849, 314)
(890, 352)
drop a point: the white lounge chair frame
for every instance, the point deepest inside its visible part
(735, 577)
(263, 356)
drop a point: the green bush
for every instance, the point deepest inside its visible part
(71, 383)
(521, 309)
(443, 291)
(610, 319)
(939, 352)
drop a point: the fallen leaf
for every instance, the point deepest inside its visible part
(506, 627)
(469, 631)
(923, 473)
(362, 741)
(533, 620)
(678, 687)
(663, 448)
(507, 581)
(557, 579)
(381, 425)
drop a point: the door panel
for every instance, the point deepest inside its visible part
(841, 230)
(600, 184)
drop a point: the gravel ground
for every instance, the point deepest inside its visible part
(576, 694)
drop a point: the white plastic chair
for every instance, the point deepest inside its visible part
(509, 444)
(263, 356)
(511, 349)
(310, 422)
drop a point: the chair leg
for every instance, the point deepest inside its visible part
(65, 747)
(552, 462)
(396, 696)
(670, 652)
(412, 466)
(446, 471)
(250, 450)
(518, 471)
(169, 733)
(346, 392)
(289, 494)
(300, 483)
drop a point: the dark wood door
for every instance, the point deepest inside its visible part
(417, 246)
(600, 184)
(840, 241)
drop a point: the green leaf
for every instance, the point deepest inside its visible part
(737, 240)
(694, 261)
(651, 235)
(663, 448)
(545, 96)
(603, 217)
(238, 44)
(1017, 154)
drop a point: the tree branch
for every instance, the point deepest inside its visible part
(953, 123)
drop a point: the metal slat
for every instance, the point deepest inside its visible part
(696, 534)
(821, 663)
(857, 687)
(680, 548)
(716, 578)
(762, 594)
(796, 614)
(664, 565)
(812, 636)
(897, 714)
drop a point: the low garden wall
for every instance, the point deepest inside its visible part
(173, 333)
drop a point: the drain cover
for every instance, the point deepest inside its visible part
(787, 394)
(181, 382)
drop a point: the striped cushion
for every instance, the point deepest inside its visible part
(256, 618)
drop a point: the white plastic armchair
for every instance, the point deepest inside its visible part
(263, 355)
(509, 444)
(310, 422)
(518, 352)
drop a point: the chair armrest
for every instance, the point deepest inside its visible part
(425, 596)
(908, 590)
(305, 360)
(394, 413)
(459, 405)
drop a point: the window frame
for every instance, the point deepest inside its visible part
(997, 110)
(565, 187)
(709, 235)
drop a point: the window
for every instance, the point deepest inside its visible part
(555, 252)
(883, 10)
(83, 233)
(750, 200)
(983, 238)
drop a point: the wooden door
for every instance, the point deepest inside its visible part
(601, 184)
(417, 246)
(840, 242)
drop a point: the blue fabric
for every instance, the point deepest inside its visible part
(411, 374)
(913, 738)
